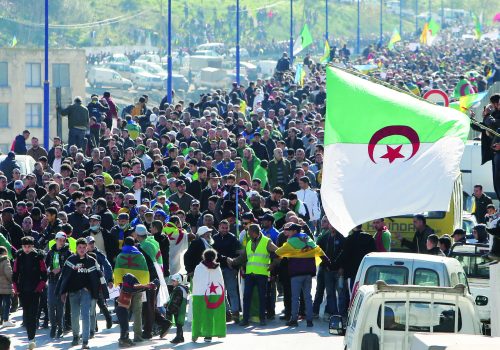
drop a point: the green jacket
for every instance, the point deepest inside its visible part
(261, 174)
(5, 243)
(255, 161)
(78, 116)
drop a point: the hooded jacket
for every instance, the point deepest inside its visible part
(5, 276)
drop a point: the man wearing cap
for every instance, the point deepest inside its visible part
(194, 215)
(239, 172)
(55, 259)
(182, 198)
(193, 255)
(12, 231)
(148, 218)
(102, 238)
(150, 248)
(18, 190)
(257, 255)
(459, 236)
(140, 153)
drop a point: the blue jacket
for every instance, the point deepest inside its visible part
(20, 145)
(104, 264)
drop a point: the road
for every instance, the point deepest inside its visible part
(275, 335)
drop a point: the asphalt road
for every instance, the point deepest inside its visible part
(274, 336)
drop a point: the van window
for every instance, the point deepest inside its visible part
(426, 277)
(474, 266)
(388, 274)
(422, 316)
(454, 279)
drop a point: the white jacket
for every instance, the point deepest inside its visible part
(311, 200)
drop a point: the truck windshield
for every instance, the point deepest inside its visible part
(420, 318)
(388, 274)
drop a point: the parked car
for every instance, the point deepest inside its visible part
(179, 82)
(118, 57)
(209, 53)
(26, 163)
(152, 68)
(387, 316)
(243, 52)
(473, 258)
(218, 47)
(100, 77)
(438, 341)
(409, 268)
(122, 68)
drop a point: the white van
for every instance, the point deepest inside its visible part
(473, 172)
(409, 268)
(100, 77)
(386, 317)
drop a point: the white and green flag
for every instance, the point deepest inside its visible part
(304, 40)
(208, 303)
(386, 152)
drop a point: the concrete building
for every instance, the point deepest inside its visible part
(21, 89)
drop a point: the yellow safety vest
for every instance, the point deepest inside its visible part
(71, 242)
(258, 261)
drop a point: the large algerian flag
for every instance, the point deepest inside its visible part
(131, 260)
(386, 153)
(208, 306)
(463, 88)
(304, 40)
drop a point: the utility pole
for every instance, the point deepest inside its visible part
(46, 83)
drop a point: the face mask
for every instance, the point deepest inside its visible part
(123, 227)
(95, 228)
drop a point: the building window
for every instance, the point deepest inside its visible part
(4, 74)
(33, 115)
(60, 74)
(33, 74)
(4, 115)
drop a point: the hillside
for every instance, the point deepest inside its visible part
(77, 23)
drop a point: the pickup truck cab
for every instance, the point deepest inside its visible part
(474, 260)
(385, 316)
(409, 268)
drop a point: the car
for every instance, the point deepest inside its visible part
(473, 258)
(243, 52)
(149, 57)
(120, 67)
(209, 53)
(152, 68)
(387, 316)
(26, 163)
(218, 47)
(101, 76)
(179, 82)
(118, 58)
(409, 268)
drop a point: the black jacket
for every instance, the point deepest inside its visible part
(13, 232)
(8, 195)
(356, 246)
(7, 166)
(164, 243)
(227, 246)
(418, 244)
(332, 246)
(64, 254)
(107, 220)
(193, 254)
(80, 223)
(29, 274)
(78, 274)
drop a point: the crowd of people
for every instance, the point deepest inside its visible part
(150, 199)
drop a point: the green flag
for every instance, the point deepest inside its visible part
(304, 40)
(404, 148)
(394, 39)
(433, 27)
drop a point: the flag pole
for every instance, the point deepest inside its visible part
(442, 13)
(358, 30)
(46, 84)
(291, 31)
(169, 52)
(401, 2)
(238, 42)
(416, 17)
(381, 19)
(326, 20)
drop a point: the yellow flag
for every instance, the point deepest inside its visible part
(326, 53)
(423, 36)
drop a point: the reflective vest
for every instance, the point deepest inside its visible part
(71, 242)
(258, 261)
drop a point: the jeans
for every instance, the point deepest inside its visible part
(55, 305)
(81, 303)
(271, 298)
(329, 280)
(93, 315)
(251, 281)
(122, 314)
(4, 306)
(231, 284)
(76, 137)
(301, 284)
(30, 302)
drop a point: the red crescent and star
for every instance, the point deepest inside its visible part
(212, 289)
(394, 153)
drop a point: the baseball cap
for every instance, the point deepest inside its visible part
(89, 239)
(123, 216)
(8, 210)
(96, 217)
(195, 202)
(149, 211)
(292, 226)
(18, 184)
(141, 230)
(61, 235)
(267, 217)
(176, 277)
(202, 230)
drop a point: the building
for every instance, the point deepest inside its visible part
(21, 89)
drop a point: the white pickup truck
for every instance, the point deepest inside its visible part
(473, 259)
(386, 317)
